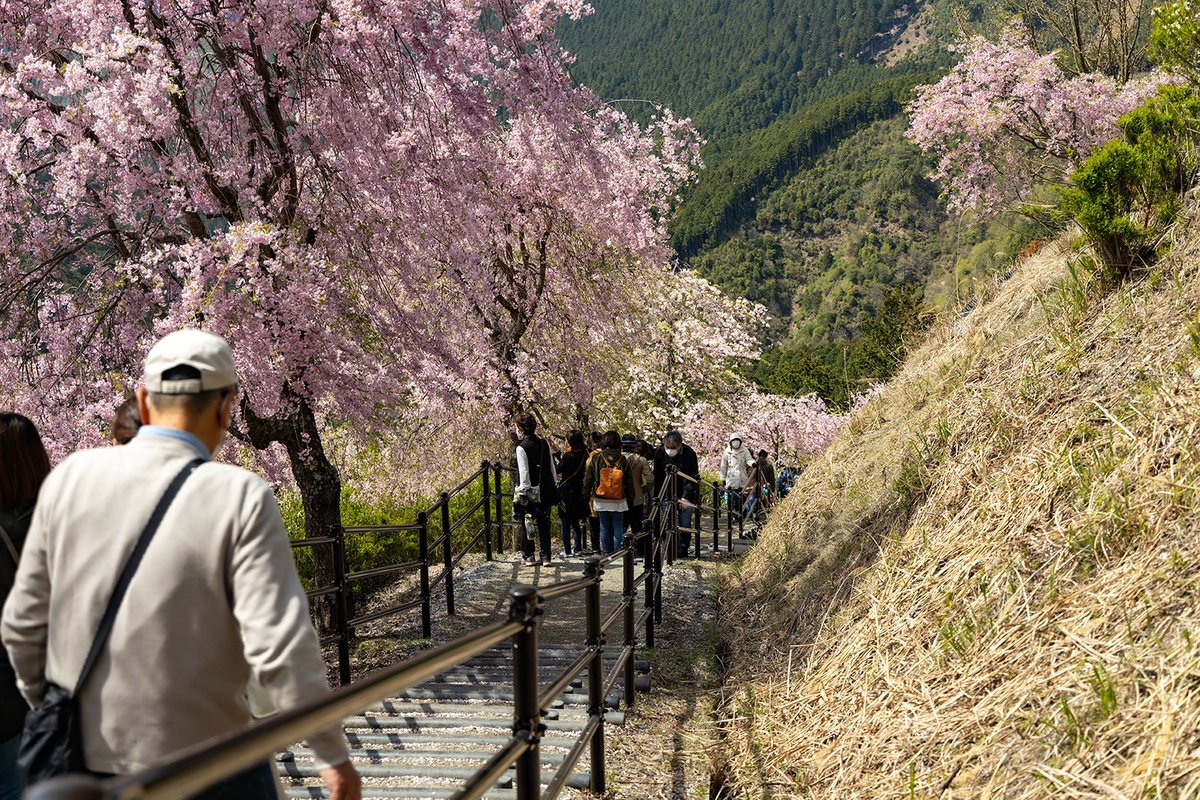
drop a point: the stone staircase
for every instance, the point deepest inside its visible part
(427, 741)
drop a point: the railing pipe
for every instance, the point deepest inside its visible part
(664, 542)
(341, 604)
(630, 595)
(648, 573)
(595, 639)
(527, 715)
(671, 518)
(209, 763)
(716, 489)
(447, 554)
(487, 509)
(728, 523)
(426, 595)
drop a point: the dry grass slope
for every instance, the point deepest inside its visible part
(988, 587)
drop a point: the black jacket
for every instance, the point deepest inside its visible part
(570, 486)
(685, 462)
(540, 460)
(15, 522)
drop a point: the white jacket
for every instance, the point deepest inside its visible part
(735, 467)
(215, 600)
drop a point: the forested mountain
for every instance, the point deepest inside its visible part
(732, 65)
(813, 202)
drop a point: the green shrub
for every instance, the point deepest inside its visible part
(1128, 192)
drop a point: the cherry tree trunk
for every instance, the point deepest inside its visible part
(319, 484)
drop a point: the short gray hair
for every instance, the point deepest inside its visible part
(673, 438)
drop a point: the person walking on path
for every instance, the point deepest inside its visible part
(736, 463)
(766, 478)
(572, 505)
(215, 600)
(674, 453)
(643, 484)
(23, 466)
(609, 483)
(537, 489)
(126, 421)
(593, 448)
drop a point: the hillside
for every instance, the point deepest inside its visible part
(734, 65)
(987, 586)
(828, 243)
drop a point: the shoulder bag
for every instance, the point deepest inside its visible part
(52, 742)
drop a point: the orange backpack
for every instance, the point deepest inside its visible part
(611, 485)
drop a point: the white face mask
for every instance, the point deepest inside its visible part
(672, 453)
(736, 444)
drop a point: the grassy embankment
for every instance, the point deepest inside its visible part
(988, 586)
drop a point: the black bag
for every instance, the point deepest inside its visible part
(52, 743)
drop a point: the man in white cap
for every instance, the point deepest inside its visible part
(214, 600)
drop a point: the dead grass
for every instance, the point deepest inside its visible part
(988, 586)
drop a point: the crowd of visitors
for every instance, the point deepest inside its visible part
(127, 632)
(608, 479)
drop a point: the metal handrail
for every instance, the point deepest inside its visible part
(210, 762)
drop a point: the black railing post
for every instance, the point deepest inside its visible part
(341, 604)
(595, 639)
(499, 509)
(716, 516)
(527, 715)
(447, 554)
(423, 553)
(630, 595)
(487, 510)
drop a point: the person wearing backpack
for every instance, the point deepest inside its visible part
(608, 481)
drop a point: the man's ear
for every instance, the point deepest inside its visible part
(226, 409)
(143, 405)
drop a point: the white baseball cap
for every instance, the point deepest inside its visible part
(206, 352)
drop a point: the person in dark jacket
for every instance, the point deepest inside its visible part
(593, 448)
(536, 478)
(609, 508)
(674, 453)
(572, 505)
(23, 466)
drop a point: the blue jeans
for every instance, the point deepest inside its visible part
(612, 529)
(569, 525)
(9, 790)
(685, 521)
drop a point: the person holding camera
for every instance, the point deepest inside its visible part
(537, 488)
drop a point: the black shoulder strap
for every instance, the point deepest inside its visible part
(12, 548)
(131, 565)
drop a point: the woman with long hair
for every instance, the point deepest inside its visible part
(23, 466)
(572, 506)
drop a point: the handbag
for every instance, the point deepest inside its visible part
(531, 494)
(52, 742)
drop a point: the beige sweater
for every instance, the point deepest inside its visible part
(216, 596)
